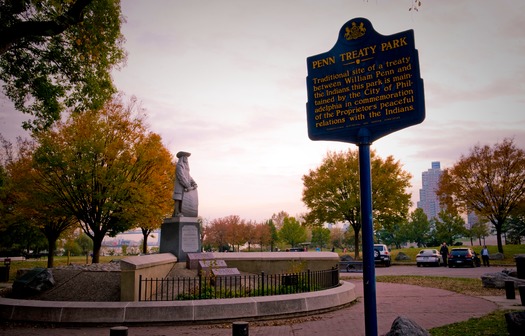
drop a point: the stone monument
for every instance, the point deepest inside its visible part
(181, 234)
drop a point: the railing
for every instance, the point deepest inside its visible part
(236, 286)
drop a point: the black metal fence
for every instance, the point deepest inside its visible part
(236, 286)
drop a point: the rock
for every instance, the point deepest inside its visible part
(497, 280)
(515, 323)
(402, 256)
(496, 256)
(33, 282)
(403, 326)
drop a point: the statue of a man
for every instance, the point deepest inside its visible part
(185, 191)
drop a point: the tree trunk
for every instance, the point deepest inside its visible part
(51, 246)
(498, 236)
(97, 244)
(357, 229)
(145, 243)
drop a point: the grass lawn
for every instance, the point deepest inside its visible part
(509, 252)
(491, 324)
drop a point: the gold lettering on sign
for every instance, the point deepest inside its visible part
(366, 93)
(323, 62)
(396, 43)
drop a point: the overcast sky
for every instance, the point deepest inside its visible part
(226, 81)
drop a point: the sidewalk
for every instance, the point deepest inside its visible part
(428, 307)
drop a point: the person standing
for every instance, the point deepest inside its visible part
(444, 253)
(485, 256)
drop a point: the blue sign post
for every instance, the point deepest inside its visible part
(367, 86)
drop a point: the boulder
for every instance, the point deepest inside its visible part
(515, 323)
(497, 280)
(496, 256)
(33, 282)
(346, 257)
(402, 256)
(403, 326)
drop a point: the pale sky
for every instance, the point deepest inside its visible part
(226, 81)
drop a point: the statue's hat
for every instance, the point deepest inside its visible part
(179, 154)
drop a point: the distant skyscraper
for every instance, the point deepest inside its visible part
(428, 200)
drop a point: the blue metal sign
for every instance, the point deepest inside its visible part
(367, 83)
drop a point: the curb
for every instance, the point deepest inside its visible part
(183, 312)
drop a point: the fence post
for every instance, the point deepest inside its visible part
(262, 283)
(200, 285)
(140, 287)
(509, 289)
(309, 282)
(118, 331)
(240, 329)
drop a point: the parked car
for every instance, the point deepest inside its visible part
(382, 254)
(428, 257)
(463, 257)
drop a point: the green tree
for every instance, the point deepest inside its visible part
(394, 234)
(95, 165)
(419, 228)
(331, 192)
(337, 237)
(489, 181)
(515, 227)
(85, 243)
(71, 247)
(320, 236)
(274, 236)
(449, 227)
(58, 54)
(292, 232)
(479, 230)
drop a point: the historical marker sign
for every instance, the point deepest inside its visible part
(368, 85)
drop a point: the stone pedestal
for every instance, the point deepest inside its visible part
(180, 236)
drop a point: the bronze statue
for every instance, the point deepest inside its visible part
(185, 191)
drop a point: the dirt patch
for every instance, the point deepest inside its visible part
(85, 284)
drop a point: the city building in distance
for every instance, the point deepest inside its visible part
(428, 200)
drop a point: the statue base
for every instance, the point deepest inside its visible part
(180, 236)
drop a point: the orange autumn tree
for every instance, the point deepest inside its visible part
(154, 202)
(37, 208)
(489, 181)
(101, 166)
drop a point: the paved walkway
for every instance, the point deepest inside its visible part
(428, 307)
